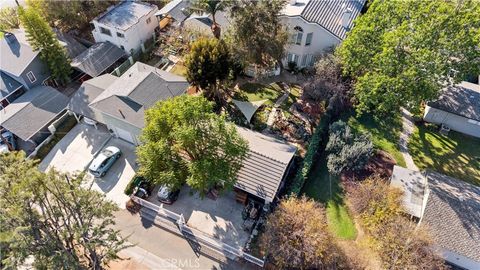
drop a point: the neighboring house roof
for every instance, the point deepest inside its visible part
(462, 99)
(88, 91)
(72, 45)
(16, 54)
(136, 90)
(205, 21)
(177, 9)
(7, 85)
(412, 183)
(125, 15)
(452, 213)
(328, 14)
(266, 163)
(32, 111)
(450, 209)
(97, 58)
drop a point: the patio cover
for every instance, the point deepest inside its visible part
(266, 164)
(248, 108)
(32, 111)
(97, 58)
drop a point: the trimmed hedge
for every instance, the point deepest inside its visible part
(132, 184)
(297, 184)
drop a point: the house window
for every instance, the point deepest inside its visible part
(304, 61)
(297, 36)
(291, 57)
(308, 41)
(105, 31)
(149, 20)
(310, 60)
(120, 35)
(31, 77)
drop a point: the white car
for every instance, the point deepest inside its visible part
(104, 161)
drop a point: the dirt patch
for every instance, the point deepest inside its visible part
(380, 164)
(126, 264)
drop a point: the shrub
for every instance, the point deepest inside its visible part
(313, 146)
(348, 151)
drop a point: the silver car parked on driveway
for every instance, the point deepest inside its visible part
(104, 161)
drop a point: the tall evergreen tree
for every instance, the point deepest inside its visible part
(41, 37)
(52, 217)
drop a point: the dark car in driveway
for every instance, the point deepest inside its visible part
(167, 195)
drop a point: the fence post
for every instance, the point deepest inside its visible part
(181, 222)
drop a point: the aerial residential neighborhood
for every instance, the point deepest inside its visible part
(213, 134)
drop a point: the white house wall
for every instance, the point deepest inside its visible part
(134, 36)
(453, 121)
(321, 40)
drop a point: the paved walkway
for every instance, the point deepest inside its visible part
(407, 130)
(278, 103)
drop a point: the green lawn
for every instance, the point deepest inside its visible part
(456, 155)
(256, 92)
(385, 135)
(319, 188)
(179, 69)
(295, 93)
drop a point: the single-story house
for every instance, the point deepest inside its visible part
(449, 207)
(120, 102)
(457, 108)
(29, 116)
(100, 58)
(173, 13)
(266, 165)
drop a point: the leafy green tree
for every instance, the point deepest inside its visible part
(297, 237)
(9, 19)
(258, 35)
(210, 7)
(70, 14)
(208, 65)
(404, 52)
(185, 142)
(347, 150)
(41, 37)
(52, 217)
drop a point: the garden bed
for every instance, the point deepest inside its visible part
(61, 131)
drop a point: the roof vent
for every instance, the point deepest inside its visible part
(346, 16)
(293, 2)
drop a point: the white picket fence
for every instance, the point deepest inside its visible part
(197, 235)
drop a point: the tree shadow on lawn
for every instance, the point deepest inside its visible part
(326, 189)
(454, 155)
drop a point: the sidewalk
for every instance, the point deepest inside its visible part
(172, 250)
(407, 130)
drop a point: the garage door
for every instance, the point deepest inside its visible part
(124, 135)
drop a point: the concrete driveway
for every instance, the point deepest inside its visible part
(220, 218)
(77, 149)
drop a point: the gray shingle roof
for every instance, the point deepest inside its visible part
(266, 163)
(16, 54)
(97, 58)
(7, 85)
(126, 14)
(176, 9)
(328, 14)
(88, 91)
(462, 99)
(452, 214)
(141, 85)
(33, 111)
(73, 46)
